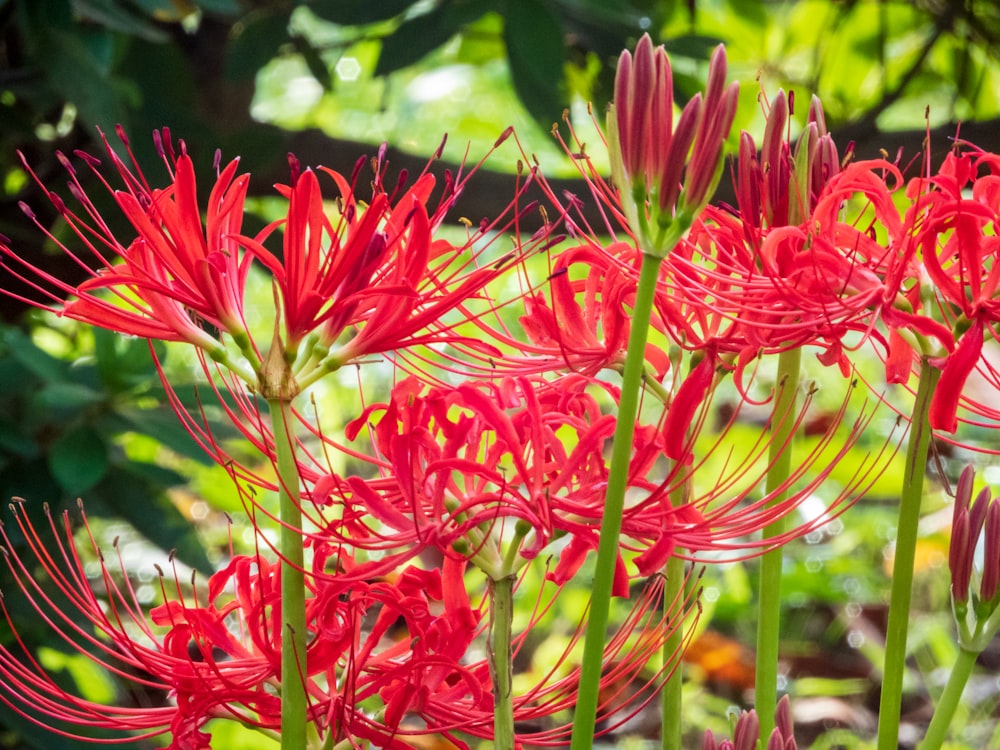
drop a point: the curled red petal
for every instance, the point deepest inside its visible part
(944, 403)
(683, 408)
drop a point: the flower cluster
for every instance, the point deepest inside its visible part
(975, 521)
(377, 604)
(746, 732)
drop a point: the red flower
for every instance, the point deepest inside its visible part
(371, 277)
(178, 278)
(361, 279)
(956, 219)
(470, 465)
(217, 653)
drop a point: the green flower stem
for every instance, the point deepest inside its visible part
(585, 718)
(945, 709)
(293, 605)
(902, 568)
(769, 599)
(501, 618)
(673, 602)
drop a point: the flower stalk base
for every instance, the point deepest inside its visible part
(891, 701)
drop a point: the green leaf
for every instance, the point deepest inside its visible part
(160, 9)
(358, 12)
(67, 396)
(30, 479)
(79, 78)
(14, 442)
(78, 459)
(694, 46)
(163, 425)
(132, 494)
(43, 365)
(122, 361)
(255, 42)
(423, 34)
(113, 15)
(222, 7)
(314, 61)
(536, 50)
(15, 378)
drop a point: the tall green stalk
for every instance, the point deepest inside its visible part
(891, 700)
(944, 711)
(585, 718)
(501, 618)
(293, 606)
(769, 598)
(671, 698)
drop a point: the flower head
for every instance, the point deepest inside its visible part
(955, 217)
(216, 652)
(177, 277)
(665, 173)
(353, 278)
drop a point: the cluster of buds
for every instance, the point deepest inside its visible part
(975, 523)
(662, 189)
(746, 732)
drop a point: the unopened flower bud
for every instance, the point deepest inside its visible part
(662, 190)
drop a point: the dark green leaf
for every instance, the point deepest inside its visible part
(78, 77)
(42, 364)
(255, 41)
(78, 459)
(14, 441)
(15, 378)
(42, 15)
(358, 12)
(161, 424)
(67, 396)
(536, 50)
(695, 46)
(30, 479)
(113, 15)
(122, 361)
(101, 45)
(423, 34)
(314, 61)
(222, 7)
(619, 18)
(160, 9)
(132, 494)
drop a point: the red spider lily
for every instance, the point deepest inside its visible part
(746, 733)
(582, 325)
(217, 654)
(396, 647)
(975, 525)
(781, 186)
(740, 284)
(956, 218)
(177, 276)
(375, 269)
(787, 268)
(501, 472)
(482, 466)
